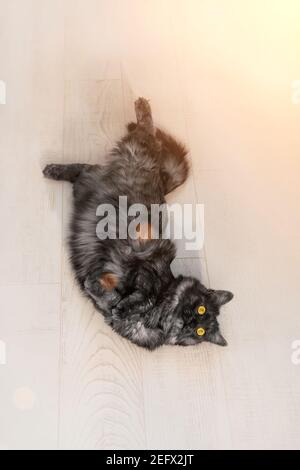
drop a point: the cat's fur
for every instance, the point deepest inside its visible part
(130, 280)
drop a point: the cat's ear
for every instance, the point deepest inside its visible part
(217, 338)
(221, 297)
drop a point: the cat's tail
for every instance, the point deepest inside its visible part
(175, 165)
(174, 162)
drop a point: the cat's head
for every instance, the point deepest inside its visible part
(197, 312)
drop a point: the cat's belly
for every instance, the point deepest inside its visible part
(92, 242)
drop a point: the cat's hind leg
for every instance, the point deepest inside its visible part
(101, 288)
(61, 172)
(144, 115)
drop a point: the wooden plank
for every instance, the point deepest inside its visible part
(31, 134)
(92, 43)
(31, 130)
(262, 321)
(102, 390)
(29, 378)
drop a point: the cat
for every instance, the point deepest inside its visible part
(129, 279)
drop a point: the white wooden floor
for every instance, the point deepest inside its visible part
(219, 74)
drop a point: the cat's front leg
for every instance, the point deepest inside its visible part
(147, 286)
(60, 172)
(136, 330)
(136, 303)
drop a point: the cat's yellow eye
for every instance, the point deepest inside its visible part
(201, 310)
(200, 331)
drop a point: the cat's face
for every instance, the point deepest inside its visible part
(198, 309)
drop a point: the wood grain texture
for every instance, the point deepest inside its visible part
(31, 126)
(191, 377)
(92, 42)
(31, 131)
(29, 379)
(102, 402)
(102, 394)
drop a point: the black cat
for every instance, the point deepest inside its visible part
(129, 278)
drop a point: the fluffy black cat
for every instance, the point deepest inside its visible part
(129, 278)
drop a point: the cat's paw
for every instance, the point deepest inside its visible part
(52, 171)
(143, 114)
(142, 107)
